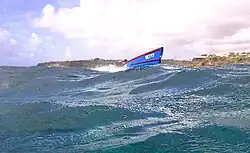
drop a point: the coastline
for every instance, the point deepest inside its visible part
(203, 60)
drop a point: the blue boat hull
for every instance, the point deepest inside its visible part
(150, 58)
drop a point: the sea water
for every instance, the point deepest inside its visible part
(108, 109)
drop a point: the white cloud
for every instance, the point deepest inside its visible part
(68, 53)
(35, 39)
(4, 34)
(19, 45)
(115, 28)
(242, 35)
(240, 41)
(13, 41)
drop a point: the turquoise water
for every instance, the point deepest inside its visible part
(150, 110)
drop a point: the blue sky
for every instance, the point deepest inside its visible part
(38, 31)
(18, 46)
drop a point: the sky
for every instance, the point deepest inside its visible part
(38, 31)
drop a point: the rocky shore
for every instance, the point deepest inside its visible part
(214, 60)
(203, 60)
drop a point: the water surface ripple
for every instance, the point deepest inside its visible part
(154, 109)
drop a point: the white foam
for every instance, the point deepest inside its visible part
(109, 68)
(168, 67)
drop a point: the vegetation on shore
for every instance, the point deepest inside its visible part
(203, 60)
(80, 63)
(214, 60)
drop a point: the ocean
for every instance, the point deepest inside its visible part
(160, 109)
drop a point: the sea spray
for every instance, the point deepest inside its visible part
(109, 68)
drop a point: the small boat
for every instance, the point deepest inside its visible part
(149, 58)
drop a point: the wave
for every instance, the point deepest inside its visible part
(108, 68)
(162, 108)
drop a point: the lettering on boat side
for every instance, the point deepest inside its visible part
(150, 56)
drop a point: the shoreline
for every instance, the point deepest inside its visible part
(203, 60)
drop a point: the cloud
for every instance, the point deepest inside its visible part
(21, 48)
(68, 53)
(126, 28)
(67, 30)
(239, 41)
(7, 45)
(35, 39)
(229, 27)
(115, 26)
(4, 34)
(13, 41)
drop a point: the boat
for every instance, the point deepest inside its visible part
(147, 59)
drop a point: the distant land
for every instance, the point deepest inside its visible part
(203, 60)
